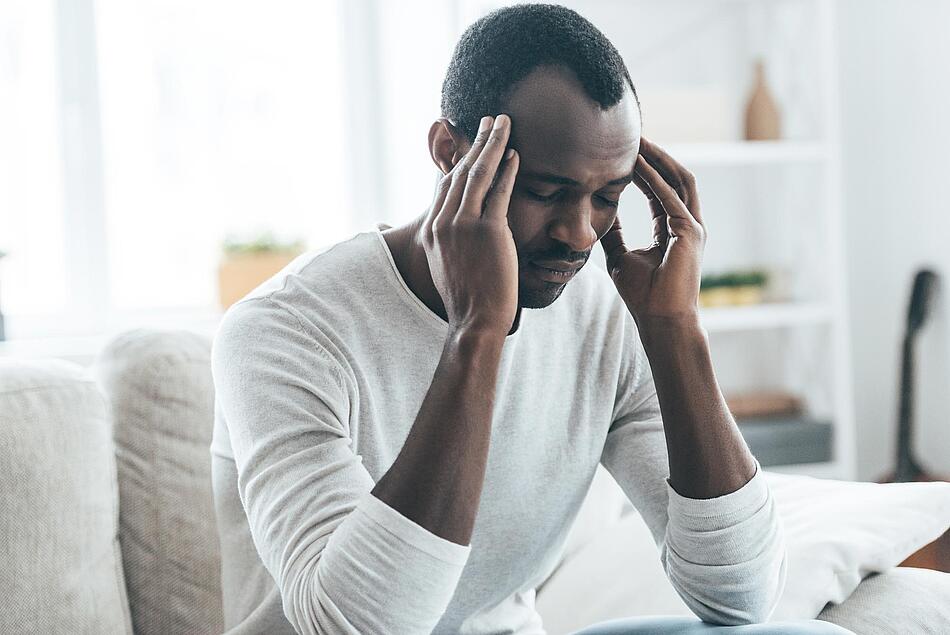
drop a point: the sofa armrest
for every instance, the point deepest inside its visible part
(61, 565)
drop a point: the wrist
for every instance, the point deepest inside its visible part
(473, 336)
(664, 331)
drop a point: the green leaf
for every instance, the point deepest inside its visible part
(742, 278)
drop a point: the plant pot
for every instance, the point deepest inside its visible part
(731, 296)
(238, 275)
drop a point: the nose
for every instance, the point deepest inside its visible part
(572, 227)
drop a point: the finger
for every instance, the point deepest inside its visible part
(662, 191)
(679, 221)
(441, 191)
(667, 166)
(660, 233)
(499, 197)
(459, 173)
(679, 178)
(483, 170)
(613, 245)
(442, 185)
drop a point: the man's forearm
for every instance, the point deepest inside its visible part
(436, 480)
(707, 454)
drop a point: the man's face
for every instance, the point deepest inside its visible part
(575, 161)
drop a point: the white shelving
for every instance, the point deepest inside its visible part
(765, 316)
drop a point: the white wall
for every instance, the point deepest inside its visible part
(895, 73)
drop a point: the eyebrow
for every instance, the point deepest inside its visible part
(563, 180)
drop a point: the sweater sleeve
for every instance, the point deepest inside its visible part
(343, 560)
(725, 556)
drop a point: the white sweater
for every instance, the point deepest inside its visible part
(319, 375)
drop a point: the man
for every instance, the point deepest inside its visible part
(400, 448)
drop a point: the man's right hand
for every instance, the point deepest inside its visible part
(437, 478)
(468, 244)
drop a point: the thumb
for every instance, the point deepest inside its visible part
(653, 254)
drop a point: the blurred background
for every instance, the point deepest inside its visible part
(159, 157)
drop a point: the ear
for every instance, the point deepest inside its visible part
(447, 144)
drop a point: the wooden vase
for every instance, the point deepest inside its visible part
(762, 118)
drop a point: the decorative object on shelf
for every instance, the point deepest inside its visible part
(735, 288)
(246, 264)
(762, 119)
(763, 404)
(2, 332)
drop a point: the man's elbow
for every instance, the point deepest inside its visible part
(753, 610)
(296, 591)
(751, 601)
(310, 607)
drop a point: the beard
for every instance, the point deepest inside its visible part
(538, 294)
(539, 298)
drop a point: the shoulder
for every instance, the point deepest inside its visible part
(263, 340)
(325, 270)
(322, 284)
(279, 312)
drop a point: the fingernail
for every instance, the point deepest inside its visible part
(484, 123)
(500, 121)
(509, 153)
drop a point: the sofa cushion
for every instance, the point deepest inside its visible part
(898, 601)
(61, 567)
(837, 533)
(159, 386)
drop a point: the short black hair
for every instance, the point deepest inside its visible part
(504, 46)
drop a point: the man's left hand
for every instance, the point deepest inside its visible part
(662, 280)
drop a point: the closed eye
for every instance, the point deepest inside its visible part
(542, 197)
(547, 198)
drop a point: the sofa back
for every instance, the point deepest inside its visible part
(159, 387)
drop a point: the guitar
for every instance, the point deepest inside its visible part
(936, 555)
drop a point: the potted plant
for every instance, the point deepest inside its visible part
(733, 288)
(246, 264)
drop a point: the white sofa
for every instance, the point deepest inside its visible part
(108, 521)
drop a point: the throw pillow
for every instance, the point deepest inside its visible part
(837, 533)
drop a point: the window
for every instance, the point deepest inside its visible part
(200, 120)
(33, 274)
(218, 117)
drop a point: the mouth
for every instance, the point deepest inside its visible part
(555, 271)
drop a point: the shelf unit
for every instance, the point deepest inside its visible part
(775, 204)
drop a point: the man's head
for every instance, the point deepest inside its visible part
(575, 123)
